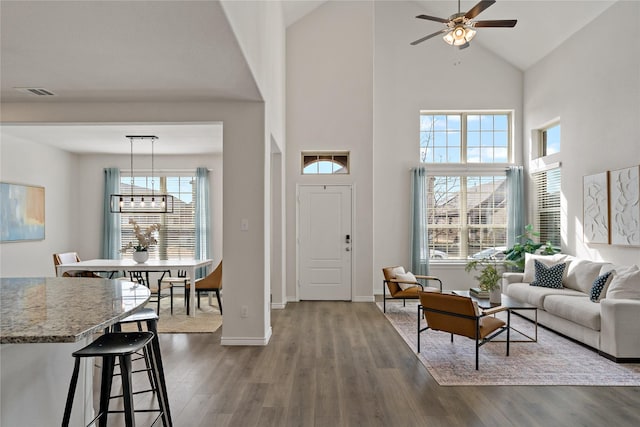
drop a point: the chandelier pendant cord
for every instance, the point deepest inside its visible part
(131, 142)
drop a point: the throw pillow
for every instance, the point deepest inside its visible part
(599, 286)
(581, 274)
(395, 271)
(406, 277)
(529, 266)
(548, 277)
(625, 285)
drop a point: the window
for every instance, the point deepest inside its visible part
(550, 140)
(176, 237)
(465, 138)
(466, 214)
(547, 191)
(325, 163)
(466, 191)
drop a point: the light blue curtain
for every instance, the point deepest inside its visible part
(515, 204)
(111, 243)
(203, 218)
(419, 229)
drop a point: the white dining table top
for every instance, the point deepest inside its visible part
(129, 264)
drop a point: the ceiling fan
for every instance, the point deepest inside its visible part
(460, 27)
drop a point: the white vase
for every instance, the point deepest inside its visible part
(140, 256)
(495, 296)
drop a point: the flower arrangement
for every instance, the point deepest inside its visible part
(145, 239)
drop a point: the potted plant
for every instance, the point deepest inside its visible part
(516, 254)
(146, 239)
(491, 271)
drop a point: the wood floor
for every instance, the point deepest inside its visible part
(342, 364)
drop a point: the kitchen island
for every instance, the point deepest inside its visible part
(43, 321)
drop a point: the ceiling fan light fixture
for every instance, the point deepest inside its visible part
(460, 35)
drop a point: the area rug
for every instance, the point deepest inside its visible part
(207, 320)
(553, 360)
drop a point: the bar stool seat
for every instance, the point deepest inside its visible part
(109, 346)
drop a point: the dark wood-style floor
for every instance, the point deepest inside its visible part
(342, 364)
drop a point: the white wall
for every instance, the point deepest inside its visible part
(91, 176)
(429, 76)
(27, 162)
(260, 31)
(592, 83)
(244, 165)
(329, 107)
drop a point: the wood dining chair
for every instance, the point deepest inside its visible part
(70, 258)
(142, 277)
(210, 283)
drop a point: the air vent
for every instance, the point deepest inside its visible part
(35, 91)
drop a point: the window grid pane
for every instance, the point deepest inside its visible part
(547, 187)
(484, 141)
(325, 164)
(551, 140)
(461, 234)
(176, 237)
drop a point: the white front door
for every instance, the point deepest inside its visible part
(324, 242)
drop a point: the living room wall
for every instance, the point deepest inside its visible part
(329, 107)
(429, 76)
(592, 84)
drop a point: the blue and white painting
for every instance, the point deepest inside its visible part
(21, 212)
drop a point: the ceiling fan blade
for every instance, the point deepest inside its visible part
(496, 23)
(428, 37)
(433, 18)
(475, 10)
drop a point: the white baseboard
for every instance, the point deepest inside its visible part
(246, 341)
(363, 299)
(278, 305)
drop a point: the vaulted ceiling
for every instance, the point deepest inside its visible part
(186, 51)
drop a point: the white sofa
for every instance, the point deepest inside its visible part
(611, 325)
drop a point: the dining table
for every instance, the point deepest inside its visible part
(43, 320)
(191, 266)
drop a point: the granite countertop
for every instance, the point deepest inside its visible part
(64, 309)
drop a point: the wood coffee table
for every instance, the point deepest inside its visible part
(513, 305)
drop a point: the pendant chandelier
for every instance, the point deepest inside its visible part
(141, 200)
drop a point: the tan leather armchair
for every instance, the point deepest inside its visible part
(460, 316)
(392, 284)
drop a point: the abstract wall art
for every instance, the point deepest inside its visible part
(596, 208)
(21, 212)
(624, 189)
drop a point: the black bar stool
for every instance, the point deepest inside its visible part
(157, 381)
(109, 346)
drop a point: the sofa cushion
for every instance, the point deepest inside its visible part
(535, 294)
(529, 264)
(581, 273)
(548, 277)
(625, 285)
(620, 269)
(578, 309)
(599, 287)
